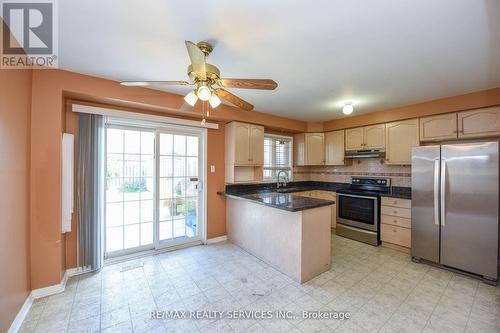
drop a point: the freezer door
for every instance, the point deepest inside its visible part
(469, 207)
(425, 202)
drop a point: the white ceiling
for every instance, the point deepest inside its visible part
(379, 54)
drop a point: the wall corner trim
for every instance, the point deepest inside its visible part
(216, 240)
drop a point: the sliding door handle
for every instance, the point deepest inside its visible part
(443, 192)
(436, 192)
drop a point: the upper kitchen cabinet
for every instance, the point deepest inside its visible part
(374, 137)
(240, 135)
(309, 149)
(257, 145)
(248, 139)
(479, 123)
(368, 137)
(354, 138)
(401, 137)
(437, 128)
(334, 148)
(244, 145)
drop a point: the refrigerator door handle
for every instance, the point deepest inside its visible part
(443, 192)
(436, 191)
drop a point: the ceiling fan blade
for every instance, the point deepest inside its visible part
(197, 59)
(264, 84)
(233, 99)
(154, 83)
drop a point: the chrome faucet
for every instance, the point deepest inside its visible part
(285, 179)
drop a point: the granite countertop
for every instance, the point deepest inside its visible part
(291, 187)
(267, 194)
(285, 201)
(398, 192)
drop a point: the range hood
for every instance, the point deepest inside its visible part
(365, 153)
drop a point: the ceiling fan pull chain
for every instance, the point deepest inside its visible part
(203, 121)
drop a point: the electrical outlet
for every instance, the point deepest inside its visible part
(212, 168)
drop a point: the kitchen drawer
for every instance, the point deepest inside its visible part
(397, 221)
(396, 202)
(396, 211)
(396, 235)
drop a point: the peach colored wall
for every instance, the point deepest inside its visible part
(15, 103)
(473, 100)
(315, 127)
(51, 252)
(216, 204)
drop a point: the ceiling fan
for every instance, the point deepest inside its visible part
(209, 86)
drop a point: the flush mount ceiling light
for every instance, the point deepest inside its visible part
(347, 109)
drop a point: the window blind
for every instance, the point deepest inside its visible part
(277, 156)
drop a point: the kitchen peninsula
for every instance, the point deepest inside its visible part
(284, 228)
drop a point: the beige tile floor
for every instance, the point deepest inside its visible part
(382, 289)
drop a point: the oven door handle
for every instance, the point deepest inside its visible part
(356, 196)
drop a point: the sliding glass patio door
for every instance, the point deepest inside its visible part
(179, 186)
(154, 194)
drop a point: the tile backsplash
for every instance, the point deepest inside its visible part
(369, 167)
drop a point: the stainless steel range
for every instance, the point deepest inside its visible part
(358, 209)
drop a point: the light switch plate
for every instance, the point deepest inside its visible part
(212, 168)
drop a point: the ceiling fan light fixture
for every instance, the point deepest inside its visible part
(191, 98)
(214, 101)
(347, 109)
(204, 93)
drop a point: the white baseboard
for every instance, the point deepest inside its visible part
(78, 271)
(216, 240)
(23, 312)
(51, 290)
(43, 292)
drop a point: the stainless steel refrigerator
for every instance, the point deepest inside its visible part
(455, 207)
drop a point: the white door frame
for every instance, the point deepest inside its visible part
(202, 173)
(158, 128)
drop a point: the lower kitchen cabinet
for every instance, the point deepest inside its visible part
(395, 223)
(325, 195)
